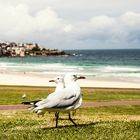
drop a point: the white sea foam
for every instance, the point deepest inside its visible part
(131, 73)
(37, 67)
(120, 69)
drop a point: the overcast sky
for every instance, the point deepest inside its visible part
(72, 24)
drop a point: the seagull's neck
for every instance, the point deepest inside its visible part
(73, 85)
(59, 86)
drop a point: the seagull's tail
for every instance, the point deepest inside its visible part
(36, 109)
(31, 102)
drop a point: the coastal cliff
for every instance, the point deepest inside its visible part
(12, 49)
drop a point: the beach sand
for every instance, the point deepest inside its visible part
(30, 79)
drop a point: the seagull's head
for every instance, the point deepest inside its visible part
(58, 79)
(73, 77)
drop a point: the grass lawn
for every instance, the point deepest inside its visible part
(98, 123)
(12, 95)
(95, 123)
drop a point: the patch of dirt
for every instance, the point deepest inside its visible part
(85, 104)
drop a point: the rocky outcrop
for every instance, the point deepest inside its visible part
(12, 49)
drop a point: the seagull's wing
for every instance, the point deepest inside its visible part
(61, 99)
(50, 96)
(45, 100)
(67, 102)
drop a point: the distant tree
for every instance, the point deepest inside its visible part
(0, 51)
(36, 48)
(44, 49)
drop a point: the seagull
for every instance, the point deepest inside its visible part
(65, 100)
(59, 80)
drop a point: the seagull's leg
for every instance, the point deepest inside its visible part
(72, 120)
(57, 116)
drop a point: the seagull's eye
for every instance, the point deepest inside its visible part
(57, 78)
(74, 76)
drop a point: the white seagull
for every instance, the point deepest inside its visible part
(59, 80)
(64, 100)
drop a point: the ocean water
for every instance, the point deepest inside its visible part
(123, 65)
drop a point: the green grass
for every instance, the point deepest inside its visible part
(106, 96)
(98, 123)
(95, 123)
(15, 96)
(12, 95)
(112, 110)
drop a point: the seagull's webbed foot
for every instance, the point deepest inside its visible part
(72, 120)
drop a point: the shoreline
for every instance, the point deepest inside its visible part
(32, 79)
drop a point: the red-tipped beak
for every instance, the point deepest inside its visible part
(52, 81)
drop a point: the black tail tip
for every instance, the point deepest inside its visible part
(26, 103)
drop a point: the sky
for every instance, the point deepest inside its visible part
(72, 24)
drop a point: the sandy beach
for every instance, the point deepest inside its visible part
(31, 79)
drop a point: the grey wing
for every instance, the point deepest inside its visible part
(66, 102)
(59, 101)
(46, 99)
(52, 100)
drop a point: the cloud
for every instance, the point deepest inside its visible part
(39, 22)
(17, 21)
(113, 29)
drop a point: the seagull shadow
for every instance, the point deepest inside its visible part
(63, 119)
(70, 126)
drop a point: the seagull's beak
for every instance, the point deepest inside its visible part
(81, 77)
(52, 81)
